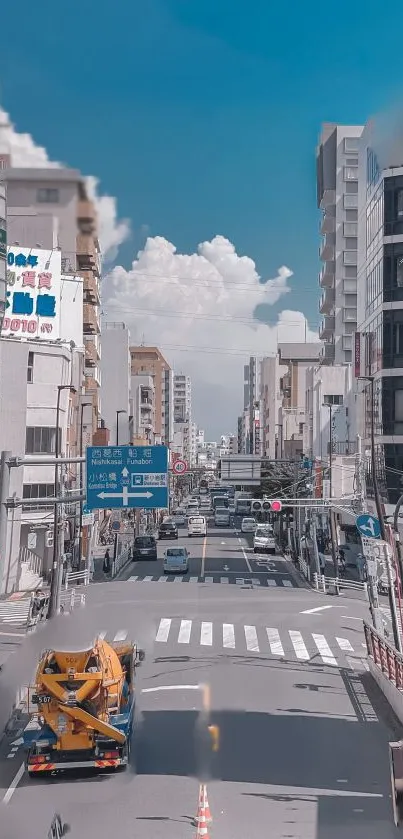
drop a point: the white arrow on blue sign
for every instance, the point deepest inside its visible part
(127, 476)
(368, 525)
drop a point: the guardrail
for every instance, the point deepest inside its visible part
(327, 583)
(384, 655)
(38, 607)
(120, 561)
(80, 577)
(70, 599)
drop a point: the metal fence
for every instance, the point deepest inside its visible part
(38, 607)
(77, 577)
(329, 583)
(386, 657)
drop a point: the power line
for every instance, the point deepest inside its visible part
(195, 315)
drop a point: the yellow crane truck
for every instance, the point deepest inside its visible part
(84, 708)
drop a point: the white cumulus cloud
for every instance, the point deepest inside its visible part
(199, 309)
(25, 153)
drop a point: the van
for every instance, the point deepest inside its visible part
(197, 526)
(222, 517)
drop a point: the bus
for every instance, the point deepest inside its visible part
(229, 491)
(219, 501)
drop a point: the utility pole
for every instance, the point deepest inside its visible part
(4, 494)
(333, 532)
(56, 577)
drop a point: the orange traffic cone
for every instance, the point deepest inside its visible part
(203, 813)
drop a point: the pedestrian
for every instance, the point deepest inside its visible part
(107, 562)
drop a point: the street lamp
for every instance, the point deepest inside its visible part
(379, 509)
(80, 536)
(55, 576)
(117, 425)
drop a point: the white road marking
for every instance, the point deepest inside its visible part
(319, 609)
(224, 580)
(206, 634)
(287, 583)
(193, 579)
(133, 579)
(252, 644)
(350, 618)
(102, 635)
(14, 784)
(209, 579)
(178, 579)
(240, 581)
(273, 637)
(18, 742)
(163, 629)
(228, 635)
(121, 635)
(247, 561)
(162, 579)
(171, 687)
(147, 579)
(255, 581)
(184, 632)
(299, 646)
(271, 582)
(324, 650)
(344, 644)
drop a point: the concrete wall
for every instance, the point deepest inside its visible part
(115, 379)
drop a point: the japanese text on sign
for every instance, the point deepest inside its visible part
(33, 293)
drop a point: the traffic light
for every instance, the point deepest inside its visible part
(396, 774)
(266, 505)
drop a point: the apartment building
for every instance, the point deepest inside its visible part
(182, 397)
(50, 209)
(337, 197)
(115, 380)
(253, 436)
(142, 409)
(3, 252)
(380, 305)
(150, 361)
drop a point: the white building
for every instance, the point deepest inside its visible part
(337, 196)
(182, 397)
(142, 408)
(115, 380)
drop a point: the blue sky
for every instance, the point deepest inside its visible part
(202, 116)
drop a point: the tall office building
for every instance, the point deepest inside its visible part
(182, 397)
(380, 304)
(337, 196)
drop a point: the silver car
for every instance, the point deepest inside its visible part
(176, 560)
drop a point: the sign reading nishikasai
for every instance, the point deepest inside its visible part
(33, 293)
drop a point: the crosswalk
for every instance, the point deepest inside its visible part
(14, 612)
(263, 581)
(287, 644)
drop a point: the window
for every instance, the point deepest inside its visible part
(351, 161)
(351, 215)
(41, 440)
(350, 257)
(350, 201)
(350, 272)
(351, 144)
(351, 173)
(393, 272)
(38, 491)
(350, 228)
(348, 355)
(351, 188)
(351, 243)
(350, 286)
(46, 195)
(333, 399)
(30, 368)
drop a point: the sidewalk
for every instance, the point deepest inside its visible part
(351, 572)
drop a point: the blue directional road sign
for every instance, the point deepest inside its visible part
(127, 476)
(368, 525)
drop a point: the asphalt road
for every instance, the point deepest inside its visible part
(304, 733)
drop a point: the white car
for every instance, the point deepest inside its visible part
(176, 560)
(264, 540)
(197, 526)
(248, 525)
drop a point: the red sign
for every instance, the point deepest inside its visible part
(357, 354)
(179, 467)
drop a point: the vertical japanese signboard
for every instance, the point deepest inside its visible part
(357, 354)
(33, 293)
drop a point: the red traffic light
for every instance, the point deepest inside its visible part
(276, 506)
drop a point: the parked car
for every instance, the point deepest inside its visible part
(197, 526)
(248, 525)
(176, 560)
(264, 540)
(168, 530)
(144, 547)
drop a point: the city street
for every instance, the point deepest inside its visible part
(303, 747)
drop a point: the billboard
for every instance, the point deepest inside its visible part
(339, 428)
(33, 293)
(357, 354)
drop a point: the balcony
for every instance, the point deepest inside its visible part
(326, 275)
(326, 302)
(91, 355)
(326, 328)
(87, 256)
(91, 384)
(91, 291)
(90, 320)
(327, 354)
(327, 224)
(86, 216)
(328, 198)
(326, 250)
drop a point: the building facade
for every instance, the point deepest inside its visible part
(182, 397)
(116, 380)
(142, 409)
(337, 197)
(3, 252)
(380, 307)
(150, 361)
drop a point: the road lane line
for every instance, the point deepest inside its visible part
(163, 630)
(344, 644)
(224, 580)
(255, 581)
(171, 687)
(206, 634)
(324, 650)
(178, 579)
(193, 579)
(209, 579)
(240, 581)
(133, 579)
(247, 561)
(102, 635)
(273, 637)
(271, 582)
(163, 579)
(121, 635)
(252, 644)
(228, 635)
(204, 548)
(14, 784)
(287, 582)
(298, 643)
(184, 632)
(318, 609)
(147, 579)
